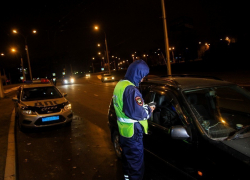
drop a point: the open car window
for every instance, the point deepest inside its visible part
(221, 111)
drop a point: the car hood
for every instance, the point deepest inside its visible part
(42, 103)
(240, 145)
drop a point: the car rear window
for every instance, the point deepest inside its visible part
(38, 93)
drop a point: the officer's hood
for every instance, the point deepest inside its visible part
(136, 71)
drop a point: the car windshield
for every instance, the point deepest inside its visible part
(40, 93)
(221, 111)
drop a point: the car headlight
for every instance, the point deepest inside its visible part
(67, 107)
(66, 81)
(28, 112)
(72, 80)
(113, 77)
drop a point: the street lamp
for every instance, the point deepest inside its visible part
(106, 45)
(1, 84)
(26, 48)
(172, 49)
(14, 51)
(166, 37)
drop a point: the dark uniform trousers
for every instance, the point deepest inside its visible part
(133, 154)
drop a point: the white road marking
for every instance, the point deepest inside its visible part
(10, 166)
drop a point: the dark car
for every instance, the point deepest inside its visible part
(200, 125)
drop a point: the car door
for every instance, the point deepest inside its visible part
(179, 153)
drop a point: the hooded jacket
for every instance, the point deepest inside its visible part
(135, 73)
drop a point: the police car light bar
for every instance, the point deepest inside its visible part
(43, 80)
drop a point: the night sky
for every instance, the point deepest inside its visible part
(66, 36)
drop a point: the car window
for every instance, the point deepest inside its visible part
(221, 111)
(145, 91)
(166, 111)
(39, 93)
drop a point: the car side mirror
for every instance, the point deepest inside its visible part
(64, 94)
(179, 132)
(15, 99)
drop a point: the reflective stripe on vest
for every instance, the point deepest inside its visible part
(125, 124)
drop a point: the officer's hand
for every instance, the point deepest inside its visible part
(152, 108)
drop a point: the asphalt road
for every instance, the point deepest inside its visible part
(82, 150)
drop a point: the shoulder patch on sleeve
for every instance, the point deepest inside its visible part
(138, 100)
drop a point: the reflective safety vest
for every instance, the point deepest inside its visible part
(125, 124)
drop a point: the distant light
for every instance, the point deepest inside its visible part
(93, 58)
(199, 42)
(96, 27)
(34, 31)
(199, 173)
(2, 54)
(14, 31)
(159, 49)
(13, 50)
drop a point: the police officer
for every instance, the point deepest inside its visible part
(132, 114)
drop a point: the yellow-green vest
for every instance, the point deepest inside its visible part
(125, 124)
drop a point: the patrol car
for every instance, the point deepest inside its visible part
(40, 104)
(201, 126)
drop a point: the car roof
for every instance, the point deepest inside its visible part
(33, 85)
(189, 82)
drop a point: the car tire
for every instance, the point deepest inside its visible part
(117, 147)
(21, 128)
(68, 124)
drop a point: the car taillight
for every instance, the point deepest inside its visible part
(44, 81)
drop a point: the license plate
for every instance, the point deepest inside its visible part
(52, 118)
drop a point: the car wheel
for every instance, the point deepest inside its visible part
(21, 128)
(68, 124)
(116, 144)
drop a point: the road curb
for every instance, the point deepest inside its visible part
(10, 166)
